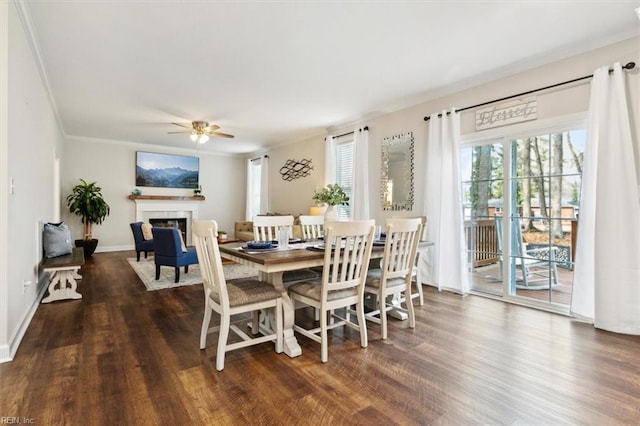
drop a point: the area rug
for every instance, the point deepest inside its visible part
(146, 270)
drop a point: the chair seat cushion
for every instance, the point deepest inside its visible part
(145, 245)
(375, 275)
(183, 259)
(245, 291)
(313, 290)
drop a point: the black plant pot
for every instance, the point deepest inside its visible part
(89, 246)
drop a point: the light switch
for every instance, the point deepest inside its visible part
(12, 186)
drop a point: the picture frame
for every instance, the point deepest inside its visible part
(167, 170)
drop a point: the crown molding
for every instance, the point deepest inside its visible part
(32, 38)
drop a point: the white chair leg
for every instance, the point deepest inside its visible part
(255, 322)
(362, 324)
(410, 309)
(419, 285)
(279, 327)
(225, 322)
(419, 282)
(383, 316)
(205, 326)
(324, 350)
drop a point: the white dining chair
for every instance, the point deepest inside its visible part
(346, 261)
(396, 270)
(312, 227)
(229, 298)
(265, 228)
(417, 270)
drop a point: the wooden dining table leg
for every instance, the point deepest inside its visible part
(291, 346)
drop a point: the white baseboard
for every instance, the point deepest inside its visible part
(7, 352)
(107, 249)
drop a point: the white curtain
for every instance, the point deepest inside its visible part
(360, 201)
(330, 160)
(445, 265)
(606, 286)
(264, 184)
(247, 211)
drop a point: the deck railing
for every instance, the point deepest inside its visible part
(481, 239)
(482, 244)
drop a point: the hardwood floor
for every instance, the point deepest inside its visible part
(123, 355)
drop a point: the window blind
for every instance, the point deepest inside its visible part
(344, 174)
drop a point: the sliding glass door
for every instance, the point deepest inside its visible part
(521, 201)
(482, 172)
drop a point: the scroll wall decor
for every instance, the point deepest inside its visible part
(294, 169)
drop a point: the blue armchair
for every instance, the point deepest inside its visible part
(142, 245)
(168, 248)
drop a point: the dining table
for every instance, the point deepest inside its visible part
(272, 264)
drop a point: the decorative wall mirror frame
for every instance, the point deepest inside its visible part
(396, 181)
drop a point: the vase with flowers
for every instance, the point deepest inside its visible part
(332, 195)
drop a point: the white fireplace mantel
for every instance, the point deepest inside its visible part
(164, 209)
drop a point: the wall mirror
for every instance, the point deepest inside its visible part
(396, 183)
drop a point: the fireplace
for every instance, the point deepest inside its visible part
(172, 222)
(168, 210)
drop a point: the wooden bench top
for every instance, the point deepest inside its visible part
(76, 258)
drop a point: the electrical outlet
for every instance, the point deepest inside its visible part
(25, 285)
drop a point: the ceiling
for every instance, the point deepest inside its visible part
(273, 73)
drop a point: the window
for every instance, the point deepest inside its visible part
(344, 173)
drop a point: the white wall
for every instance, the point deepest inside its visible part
(33, 141)
(558, 102)
(112, 166)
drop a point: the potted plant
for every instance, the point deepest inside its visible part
(87, 202)
(331, 195)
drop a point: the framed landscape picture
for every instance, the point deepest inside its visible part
(166, 170)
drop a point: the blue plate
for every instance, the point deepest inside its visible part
(260, 245)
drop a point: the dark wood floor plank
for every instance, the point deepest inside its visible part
(124, 355)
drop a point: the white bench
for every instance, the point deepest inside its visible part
(65, 271)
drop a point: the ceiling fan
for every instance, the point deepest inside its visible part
(201, 130)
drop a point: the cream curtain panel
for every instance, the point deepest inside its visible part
(606, 286)
(264, 184)
(360, 201)
(247, 209)
(445, 265)
(329, 160)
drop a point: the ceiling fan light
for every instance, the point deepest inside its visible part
(193, 136)
(203, 138)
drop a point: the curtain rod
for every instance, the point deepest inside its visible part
(257, 158)
(350, 133)
(628, 66)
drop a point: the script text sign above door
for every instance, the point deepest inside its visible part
(507, 113)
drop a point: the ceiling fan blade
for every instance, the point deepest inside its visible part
(221, 135)
(177, 132)
(184, 125)
(211, 128)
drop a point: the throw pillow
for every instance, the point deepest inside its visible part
(56, 239)
(146, 231)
